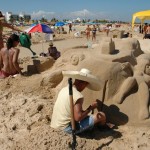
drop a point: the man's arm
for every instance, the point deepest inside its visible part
(1, 62)
(10, 26)
(79, 113)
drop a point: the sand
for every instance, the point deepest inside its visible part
(26, 104)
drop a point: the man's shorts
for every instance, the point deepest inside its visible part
(85, 124)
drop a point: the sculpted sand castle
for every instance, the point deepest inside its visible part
(26, 111)
(125, 67)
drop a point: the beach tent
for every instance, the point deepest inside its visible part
(142, 15)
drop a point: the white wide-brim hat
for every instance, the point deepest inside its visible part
(84, 75)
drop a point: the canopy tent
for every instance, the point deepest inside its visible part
(142, 15)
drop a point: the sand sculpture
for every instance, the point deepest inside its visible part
(127, 73)
(138, 77)
(116, 33)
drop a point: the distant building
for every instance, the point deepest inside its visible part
(17, 17)
(7, 16)
(77, 20)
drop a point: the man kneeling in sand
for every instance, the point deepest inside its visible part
(61, 116)
(9, 58)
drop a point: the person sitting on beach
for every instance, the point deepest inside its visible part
(88, 30)
(9, 58)
(126, 35)
(53, 52)
(61, 116)
(4, 24)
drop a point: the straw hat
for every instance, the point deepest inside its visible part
(84, 75)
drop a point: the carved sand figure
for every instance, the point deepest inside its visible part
(122, 72)
(141, 78)
(121, 81)
(142, 75)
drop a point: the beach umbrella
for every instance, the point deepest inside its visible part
(39, 28)
(43, 28)
(59, 24)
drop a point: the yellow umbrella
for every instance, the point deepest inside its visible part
(142, 15)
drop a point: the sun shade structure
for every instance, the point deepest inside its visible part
(142, 15)
(59, 24)
(39, 28)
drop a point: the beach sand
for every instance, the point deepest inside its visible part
(26, 105)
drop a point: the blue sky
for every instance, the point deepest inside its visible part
(69, 9)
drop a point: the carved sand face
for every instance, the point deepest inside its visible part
(147, 69)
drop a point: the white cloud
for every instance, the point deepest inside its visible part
(88, 14)
(40, 14)
(83, 14)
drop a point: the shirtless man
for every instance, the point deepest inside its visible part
(148, 29)
(88, 30)
(9, 58)
(4, 24)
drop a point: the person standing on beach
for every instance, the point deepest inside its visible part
(9, 58)
(107, 30)
(4, 24)
(70, 27)
(88, 30)
(94, 33)
(144, 30)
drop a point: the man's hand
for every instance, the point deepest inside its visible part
(101, 117)
(94, 105)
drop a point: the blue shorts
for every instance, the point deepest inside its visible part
(85, 124)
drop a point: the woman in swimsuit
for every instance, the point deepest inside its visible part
(88, 30)
(9, 58)
(94, 33)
